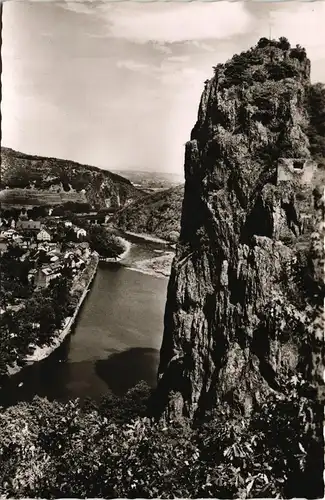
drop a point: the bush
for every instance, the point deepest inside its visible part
(280, 70)
(50, 450)
(298, 53)
(263, 42)
(284, 43)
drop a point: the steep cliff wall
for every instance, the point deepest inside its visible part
(236, 326)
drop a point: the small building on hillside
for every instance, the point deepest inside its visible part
(43, 235)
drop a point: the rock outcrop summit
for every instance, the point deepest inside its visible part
(241, 317)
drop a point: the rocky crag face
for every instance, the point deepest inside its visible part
(242, 312)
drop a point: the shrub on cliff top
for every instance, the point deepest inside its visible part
(267, 60)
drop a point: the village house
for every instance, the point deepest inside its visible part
(47, 273)
(32, 276)
(43, 247)
(4, 223)
(7, 234)
(70, 259)
(81, 233)
(16, 237)
(43, 235)
(28, 225)
(85, 249)
(80, 263)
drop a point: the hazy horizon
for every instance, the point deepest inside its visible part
(117, 85)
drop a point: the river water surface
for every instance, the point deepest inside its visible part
(115, 341)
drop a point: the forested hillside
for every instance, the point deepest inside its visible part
(158, 214)
(54, 181)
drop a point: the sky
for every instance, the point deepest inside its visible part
(118, 84)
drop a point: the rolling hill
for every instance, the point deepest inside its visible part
(36, 180)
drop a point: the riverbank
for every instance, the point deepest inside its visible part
(148, 237)
(157, 266)
(43, 352)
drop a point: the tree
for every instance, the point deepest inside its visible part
(103, 242)
(284, 43)
(263, 42)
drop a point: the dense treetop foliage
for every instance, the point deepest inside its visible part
(111, 450)
(268, 60)
(103, 242)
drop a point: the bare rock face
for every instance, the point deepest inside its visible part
(237, 320)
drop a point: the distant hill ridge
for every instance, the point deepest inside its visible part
(157, 213)
(53, 181)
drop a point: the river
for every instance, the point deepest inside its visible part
(115, 341)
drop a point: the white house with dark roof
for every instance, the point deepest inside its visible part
(43, 235)
(81, 233)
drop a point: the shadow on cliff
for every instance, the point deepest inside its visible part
(122, 371)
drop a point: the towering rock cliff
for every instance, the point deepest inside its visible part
(245, 285)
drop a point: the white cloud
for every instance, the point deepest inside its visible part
(80, 7)
(132, 65)
(200, 45)
(178, 59)
(184, 77)
(179, 22)
(162, 47)
(168, 21)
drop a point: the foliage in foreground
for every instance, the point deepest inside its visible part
(50, 449)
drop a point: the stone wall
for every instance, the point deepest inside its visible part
(297, 170)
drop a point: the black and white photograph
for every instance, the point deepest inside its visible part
(162, 201)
